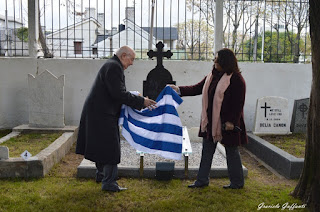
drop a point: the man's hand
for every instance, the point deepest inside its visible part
(174, 87)
(149, 103)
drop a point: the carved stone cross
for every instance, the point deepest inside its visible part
(159, 54)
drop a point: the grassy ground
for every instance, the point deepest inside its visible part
(32, 142)
(293, 144)
(62, 191)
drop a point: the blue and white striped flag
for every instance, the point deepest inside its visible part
(157, 131)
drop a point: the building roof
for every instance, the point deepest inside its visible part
(100, 38)
(76, 24)
(10, 18)
(163, 33)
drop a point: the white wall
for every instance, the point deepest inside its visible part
(292, 81)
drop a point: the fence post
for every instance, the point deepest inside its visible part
(218, 26)
(33, 27)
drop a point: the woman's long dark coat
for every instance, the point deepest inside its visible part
(231, 108)
(98, 138)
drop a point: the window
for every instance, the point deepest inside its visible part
(94, 50)
(77, 47)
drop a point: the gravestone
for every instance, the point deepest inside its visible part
(4, 153)
(272, 116)
(158, 77)
(46, 96)
(299, 115)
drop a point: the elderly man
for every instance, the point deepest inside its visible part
(98, 138)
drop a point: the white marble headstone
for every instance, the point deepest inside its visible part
(46, 100)
(272, 116)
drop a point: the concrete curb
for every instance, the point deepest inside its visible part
(285, 164)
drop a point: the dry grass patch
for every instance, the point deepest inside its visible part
(294, 144)
(33, 142)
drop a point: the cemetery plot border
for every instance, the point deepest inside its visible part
(87, 168)
(40, 164)
(284, 163)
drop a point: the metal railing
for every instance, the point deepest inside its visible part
(256, 30)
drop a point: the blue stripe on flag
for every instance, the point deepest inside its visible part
(166, 128)
(154, 144)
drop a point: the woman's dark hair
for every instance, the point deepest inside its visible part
(228, 61)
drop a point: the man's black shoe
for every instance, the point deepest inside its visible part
(232, 187)
(194, 185)
(114, 189)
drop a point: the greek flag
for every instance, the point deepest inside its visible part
(157, 131)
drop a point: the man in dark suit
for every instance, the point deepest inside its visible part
(98, 138)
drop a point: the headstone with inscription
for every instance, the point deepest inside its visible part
(46, 96)
(272, 116)
(299, 115)
(158, 77)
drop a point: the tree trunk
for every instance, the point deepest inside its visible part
(42, 40)
(308, 188)
(43, 43)
(297, 49)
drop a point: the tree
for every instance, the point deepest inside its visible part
(277, 47)
(294, 16)
(236, 12)
(22, 34)
(308, 188)
(196, 38)
(42, 39)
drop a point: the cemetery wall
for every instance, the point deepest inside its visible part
(291, 81)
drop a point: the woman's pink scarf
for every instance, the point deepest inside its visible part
(222, 86)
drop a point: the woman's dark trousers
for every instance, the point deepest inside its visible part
(234, 164)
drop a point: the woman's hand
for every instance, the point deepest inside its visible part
(229, 126)
(174, 87)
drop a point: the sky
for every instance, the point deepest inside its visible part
(163, 8)
(54, 12)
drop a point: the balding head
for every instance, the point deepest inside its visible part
(125, 50)
(126, 56)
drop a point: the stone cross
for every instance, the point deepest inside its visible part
(158, 77)
(159, 54)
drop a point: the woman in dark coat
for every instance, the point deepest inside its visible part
(98, 138)
(223, 96)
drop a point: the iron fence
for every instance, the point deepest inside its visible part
(256, 30)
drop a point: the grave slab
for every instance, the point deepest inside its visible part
(40, 164)
(282, 162)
